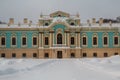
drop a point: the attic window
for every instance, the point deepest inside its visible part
(46, 24)
(72, 23)
(59, 15)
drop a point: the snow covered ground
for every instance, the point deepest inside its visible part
(60, 69)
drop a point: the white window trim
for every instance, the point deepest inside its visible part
(21, 41)
(32, 41)
(95, 35)
(86, 41)
(107, 41)
(1, 41)
(11, 41)
(118, 41)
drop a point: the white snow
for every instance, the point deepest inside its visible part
(60, 69)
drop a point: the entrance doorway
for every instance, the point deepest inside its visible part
(59, 54)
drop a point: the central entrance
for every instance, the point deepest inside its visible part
(59, 54)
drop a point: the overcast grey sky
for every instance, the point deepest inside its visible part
(31, 9)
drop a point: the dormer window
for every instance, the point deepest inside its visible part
(72, 23)
(46, 24)
(59, 15)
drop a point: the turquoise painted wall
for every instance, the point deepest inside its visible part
(19, 35)
(100, 37)
(55, 28)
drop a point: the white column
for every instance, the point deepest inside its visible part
(65, 38)
(42, 40)
(50, 39)
(76, 40)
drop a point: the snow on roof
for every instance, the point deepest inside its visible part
(58, 20)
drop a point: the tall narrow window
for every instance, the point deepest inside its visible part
(59, 39)
(72, 41)
(34, 40)
(94, 40)
(115, 40)
(13, 41)
(24, 41)
(105, 40)
(84, 41)
(46, 41)
(3, 41)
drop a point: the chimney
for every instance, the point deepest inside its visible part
(88, 22)
(25, 21)
(110, 23)
(101, 21)
(30, 22)
(11, 21)
(93, 20)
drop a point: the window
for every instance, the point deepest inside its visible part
(72, 41)
(84, 55)
(72, 23)
(46, 41)
(34, 40)
(94, 54)
(46, 55)
(94, 40)
(24, 41)
(105, 40)
(34, 55)
(72, 55)
(3, 41)
(13, 41)
(115, 53)
(105, 54)
(59, 39)
(24, 55)
(46, 24)
(115, 40)
(13, 55)
(84, 41)
(3, 55)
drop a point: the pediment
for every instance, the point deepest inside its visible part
(59, 14)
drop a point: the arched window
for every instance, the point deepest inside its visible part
(94, 40)
(34, 40)
(72, 55)
(3, 41)
(13, 40)
(24, 41)
(46, 41)
(59, 39)
(116, 40)
(105, 40)
(84, 41)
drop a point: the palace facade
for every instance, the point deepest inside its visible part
(59, 35)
